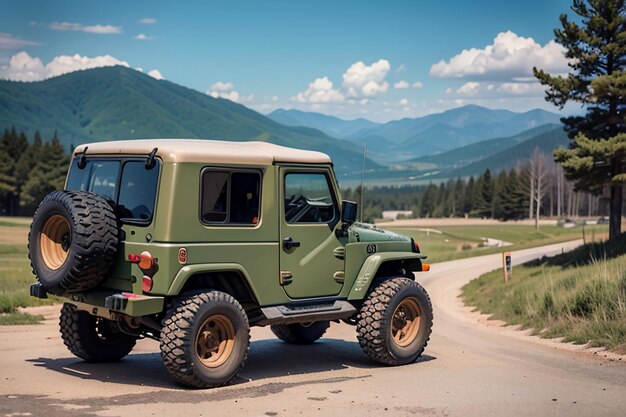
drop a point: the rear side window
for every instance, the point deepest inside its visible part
(125, 182)
(230, 197)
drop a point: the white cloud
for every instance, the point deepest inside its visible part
(227, 90)
(156, 74)
(362, 80)
(222, 87)
(274, 99)
(401, 68)
(401, 85)
(147, 21)
(98, 29)
(143, 37)
(417, 84)
(469, 88)
(23, 67)
(448, 90)
(404, 102)
(520, 89)
(320, 91)
(507, 57)
(8, 42)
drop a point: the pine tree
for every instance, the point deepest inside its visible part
(47, 175)
(484, 203)
(514, 198)
(597, 48)
(7, 182)
(498, 194)
(468, 200)
(429, 201)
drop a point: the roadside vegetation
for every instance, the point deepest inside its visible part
(15, 273)
(579, 296)
(446, 243)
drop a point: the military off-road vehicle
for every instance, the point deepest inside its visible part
(191, 242)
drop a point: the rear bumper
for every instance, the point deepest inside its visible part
(108, 303)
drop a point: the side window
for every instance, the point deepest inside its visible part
(308, 198)
(230, 197)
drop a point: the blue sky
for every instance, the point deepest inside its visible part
(379, 60)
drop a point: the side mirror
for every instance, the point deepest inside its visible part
(348, 212)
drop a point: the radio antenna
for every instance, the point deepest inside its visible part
(362, 175)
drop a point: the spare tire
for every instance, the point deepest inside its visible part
(73, 241)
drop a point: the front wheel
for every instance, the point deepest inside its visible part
(205, 339)
(395, 322)
(92, 338)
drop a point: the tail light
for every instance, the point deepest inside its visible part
(415, 246)
(146, 283)
(144, 260)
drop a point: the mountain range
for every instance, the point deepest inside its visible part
(121, 103)
(408, 138)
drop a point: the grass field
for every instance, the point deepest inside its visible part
(444, 243)
(15, 273)
(580, 296)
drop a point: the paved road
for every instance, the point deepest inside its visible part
(467, 370)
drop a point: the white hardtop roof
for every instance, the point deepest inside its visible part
(204, 150)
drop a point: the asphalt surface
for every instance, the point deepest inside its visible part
(468, 369)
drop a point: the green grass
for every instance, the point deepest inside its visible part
(19, 318)
(457, 242)
(578, 296)
(16, 277)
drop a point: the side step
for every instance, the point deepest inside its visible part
(302, 313)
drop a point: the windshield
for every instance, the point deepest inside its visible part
(127, 183)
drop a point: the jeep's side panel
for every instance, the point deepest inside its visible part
(257, 262)
(178, 216)
(360, 282)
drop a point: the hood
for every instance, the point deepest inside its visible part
(365, 232)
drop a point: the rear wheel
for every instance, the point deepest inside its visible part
(92, 338)
(300, 333)
(395, 322)
(205, 339)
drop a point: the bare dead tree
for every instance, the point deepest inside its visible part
(539, 179)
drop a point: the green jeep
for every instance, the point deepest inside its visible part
(191, 242)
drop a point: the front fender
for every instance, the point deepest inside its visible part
(188, 271)
(371, 265)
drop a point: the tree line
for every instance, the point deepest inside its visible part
(529, 191)
(29, 170)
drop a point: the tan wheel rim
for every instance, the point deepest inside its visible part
(55, 240)
(405, 322)
(215, 341)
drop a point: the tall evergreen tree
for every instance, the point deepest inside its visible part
(468, 200)
(597, 48)
(514, 198)
(429, 201)
(47, 175)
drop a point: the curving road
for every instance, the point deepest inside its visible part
(468, 369)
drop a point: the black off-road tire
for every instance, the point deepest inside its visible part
(300, 333)
(376, 318)
(182, 333)
(92, 338)
(80, 231)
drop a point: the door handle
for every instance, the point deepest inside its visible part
(289, 243)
